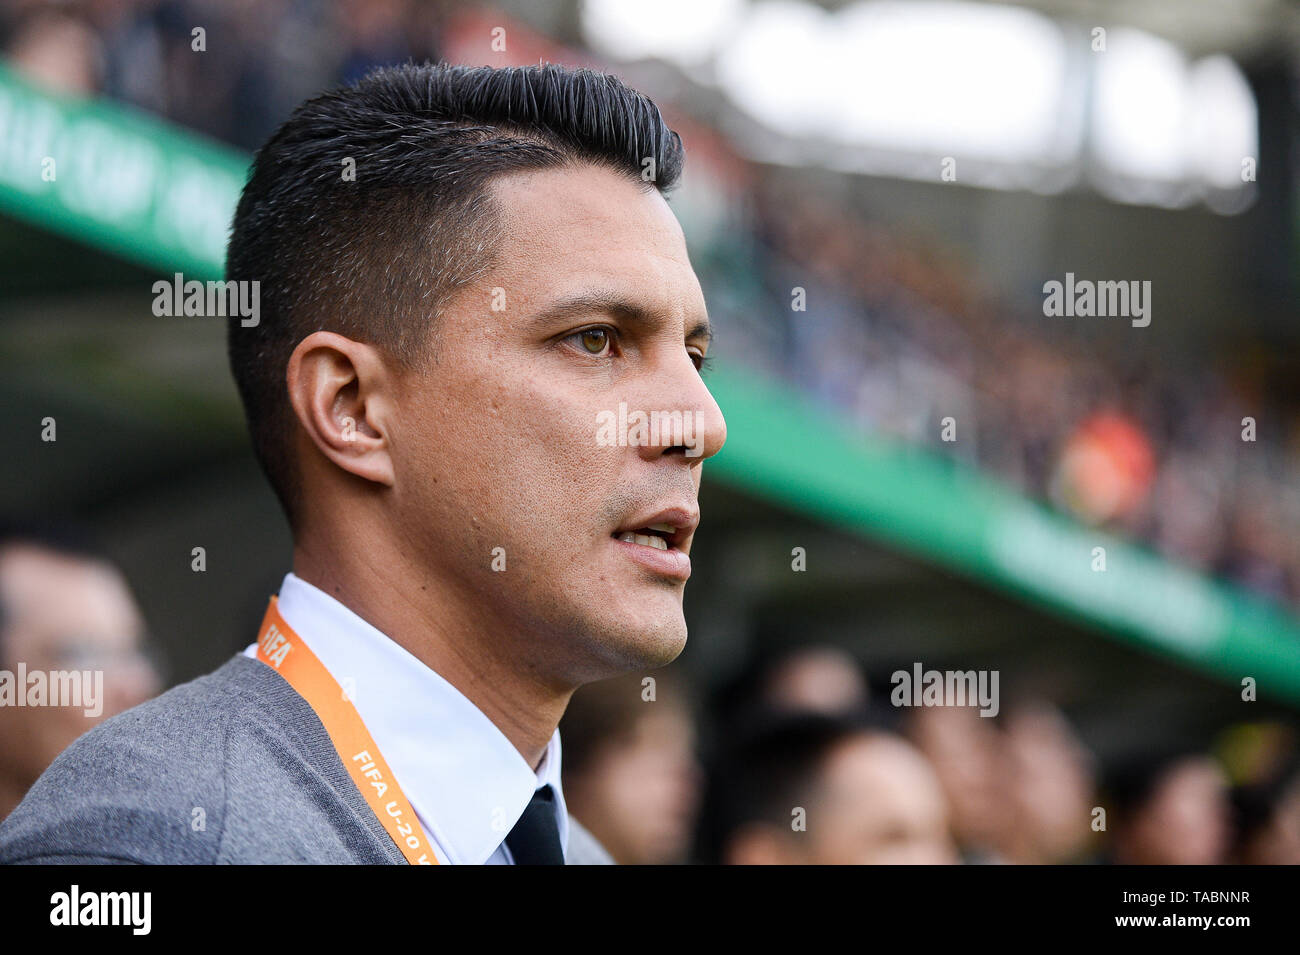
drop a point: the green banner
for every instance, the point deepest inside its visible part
(117, 179)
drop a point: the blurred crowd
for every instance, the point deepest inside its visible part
(799, 765)
(254, 61)
(903, 335)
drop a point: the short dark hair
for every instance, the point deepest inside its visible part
(375, 255)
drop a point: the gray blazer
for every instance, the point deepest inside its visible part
(233, 767)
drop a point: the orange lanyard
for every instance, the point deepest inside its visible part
(283, 650)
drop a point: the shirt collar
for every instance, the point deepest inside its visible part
(463, 777)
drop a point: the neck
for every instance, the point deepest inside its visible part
(482, 659)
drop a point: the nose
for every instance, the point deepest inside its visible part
(681, 417)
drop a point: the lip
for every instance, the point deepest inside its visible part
(666, 563)
(674, 562)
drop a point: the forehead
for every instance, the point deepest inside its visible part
(49, 595)
(587, 225)
(885, 768)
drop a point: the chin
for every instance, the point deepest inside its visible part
(635, 644)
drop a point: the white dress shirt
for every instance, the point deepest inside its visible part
(465, 780)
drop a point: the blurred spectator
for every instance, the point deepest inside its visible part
(1169, 810)
(970, 761)
(816, 789)
(1263, 761)
(815, 678)
(55, 49)
(62, 607)
(1266, 819)
(818, 679)
(630, 774)
(1105, 469)
(376, 33)
(1050, 774)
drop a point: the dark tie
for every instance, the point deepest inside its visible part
(535, 839)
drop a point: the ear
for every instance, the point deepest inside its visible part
(341, 391)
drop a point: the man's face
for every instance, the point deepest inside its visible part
(517, 448)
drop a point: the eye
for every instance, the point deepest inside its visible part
(701, 363)
(594, 341)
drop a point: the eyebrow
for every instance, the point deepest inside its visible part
(619, 306)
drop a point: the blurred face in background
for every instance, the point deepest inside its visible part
(966, 752)
(1185, 820)
(882, 806)
(63, 613)
(878, 802)
(1278, 842)
(639, 794)
(817, 679)
(1052, 781)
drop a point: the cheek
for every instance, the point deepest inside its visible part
(518, 455)
(542, 448)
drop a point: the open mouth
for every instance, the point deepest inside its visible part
(658, 536)
(659, 540)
